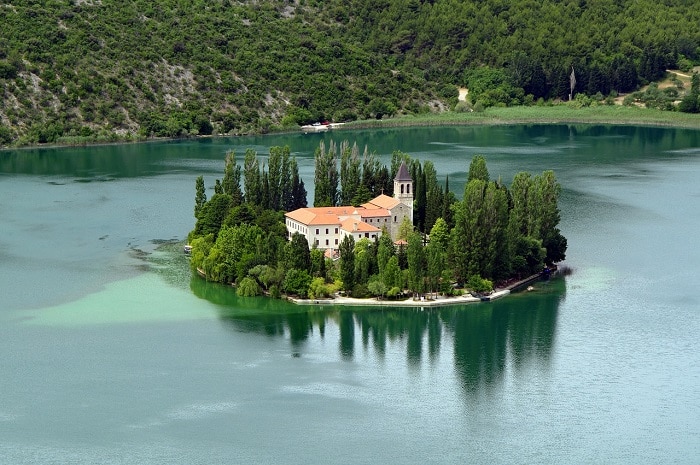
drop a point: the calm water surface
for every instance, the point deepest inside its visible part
(110, 352)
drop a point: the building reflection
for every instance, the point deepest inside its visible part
(483, 339)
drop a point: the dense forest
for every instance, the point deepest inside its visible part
(494, 234)
(91, 70)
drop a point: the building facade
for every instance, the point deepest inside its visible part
(326, 227)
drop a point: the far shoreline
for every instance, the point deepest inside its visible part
(553, 114)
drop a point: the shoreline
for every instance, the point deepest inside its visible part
(440, 301)
(613, 115)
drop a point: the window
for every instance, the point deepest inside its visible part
(336, 231)
(326, 233)
(408, 189)
(402, 188)
(367, 235)
(326, 241)
(316, 230)
(336, 242)
(394, 219)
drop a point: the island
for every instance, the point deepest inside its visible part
(376, 234)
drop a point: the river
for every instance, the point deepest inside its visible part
(111, 352)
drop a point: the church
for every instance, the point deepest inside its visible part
(326, 227)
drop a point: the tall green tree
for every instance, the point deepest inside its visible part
(326, 176)
(419, 197)
(212, 215)
(477, 169)
(297, 254)
(434, 196)
(252, 180)
(200, 197)
(448, 200)
(440, 235)
(350, 174)
(297, 198)
(385, 250)
(495, 229)
(416, 262)
(543, 198)
(347, 262)
(279, 176)
(231, 183)
(391, 276)
(375, 178)
(435, 258)
(364, 260)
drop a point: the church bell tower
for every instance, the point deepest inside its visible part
(403, 188)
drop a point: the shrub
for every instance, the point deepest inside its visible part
(478, 284)
(360, 291)
(275, 292)
(249, 287)
(463, 107)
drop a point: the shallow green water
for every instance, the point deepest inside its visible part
(113, 353)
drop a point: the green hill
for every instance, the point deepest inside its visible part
(88, 70)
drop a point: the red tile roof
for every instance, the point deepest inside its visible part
(352, 225)
(381, 201)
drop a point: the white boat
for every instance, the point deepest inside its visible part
(316, 127)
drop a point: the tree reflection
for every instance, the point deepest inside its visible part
(516, 331)
(486, 338)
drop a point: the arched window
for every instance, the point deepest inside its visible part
(402, 188)
(408, 189)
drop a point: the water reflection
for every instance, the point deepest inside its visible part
(485, 339)
(514, 331)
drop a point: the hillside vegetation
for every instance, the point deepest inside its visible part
(90, 70)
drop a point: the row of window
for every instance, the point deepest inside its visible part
(359, 236)
(297, 227)
(379, 220)
(316, 242)
(317, 232)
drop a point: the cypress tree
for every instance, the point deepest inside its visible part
(232, 179)
(200, 197)
(252, 180)
(347, 262)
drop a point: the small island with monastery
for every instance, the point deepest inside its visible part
(376, 235)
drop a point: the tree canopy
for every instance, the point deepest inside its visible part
(97, 71)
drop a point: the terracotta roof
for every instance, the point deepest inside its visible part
(400, 242)
(402, 174)
(374, 212)
(352, 225)
(322, 215)
(381, 201)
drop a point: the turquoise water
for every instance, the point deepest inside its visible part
(113, 353)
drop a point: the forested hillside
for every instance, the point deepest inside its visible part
(86, 70)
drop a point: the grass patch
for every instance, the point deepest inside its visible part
(562, 113)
